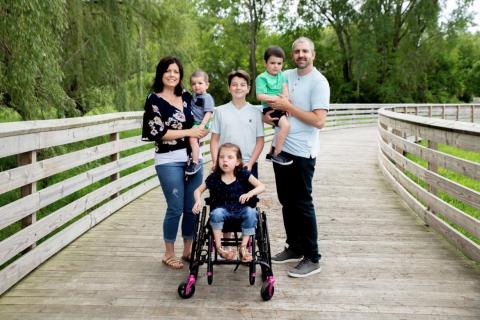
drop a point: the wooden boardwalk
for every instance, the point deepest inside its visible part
(379, 260)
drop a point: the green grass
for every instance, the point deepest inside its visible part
(453, 176)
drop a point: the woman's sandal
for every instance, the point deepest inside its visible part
(227, 255)
(172, 262)
(245, 256)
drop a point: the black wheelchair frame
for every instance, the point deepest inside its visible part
(204, 252)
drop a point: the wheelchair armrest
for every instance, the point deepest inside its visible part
(251, 203)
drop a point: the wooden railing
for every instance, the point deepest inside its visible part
(422, 187)
(105, 168)
(19, 252)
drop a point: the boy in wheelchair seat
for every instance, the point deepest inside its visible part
(230, 186)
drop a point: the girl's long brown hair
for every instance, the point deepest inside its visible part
(238, 153)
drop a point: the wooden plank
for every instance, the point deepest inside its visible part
(26, 127)
(458, 134)
(437, 205)
(464, 244)
(17, 177)
(22, 207)
(459, 165)
(22, 239)
(454, 189)
(25, 264)
(10, 145)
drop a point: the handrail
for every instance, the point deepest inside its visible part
(400, 130)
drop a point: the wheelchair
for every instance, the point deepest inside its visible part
(204, 252)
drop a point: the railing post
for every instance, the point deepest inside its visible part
(472, 114)
(114, 157)
(24, 159)
(432, 166)
(458, 112)
(443, 111)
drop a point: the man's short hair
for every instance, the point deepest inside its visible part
(275, 51)
(198, 74)
(239, 73)
(304, 40)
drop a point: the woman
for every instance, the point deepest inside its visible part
(168, 121)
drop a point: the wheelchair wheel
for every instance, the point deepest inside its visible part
(267, 291)
(185, 291)
(251, 273)
(252, 266)
(209, 261)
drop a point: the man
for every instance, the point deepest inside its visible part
(309, 94)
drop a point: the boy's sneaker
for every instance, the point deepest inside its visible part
(286, 255)
(281, 159)
(268, 157)
(305, 268)
(192, 168)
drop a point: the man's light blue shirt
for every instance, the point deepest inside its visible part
(308, 92)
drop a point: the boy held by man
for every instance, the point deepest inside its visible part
(202, 109)
(269, 86)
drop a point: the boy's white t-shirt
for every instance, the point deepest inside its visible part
(239, 126)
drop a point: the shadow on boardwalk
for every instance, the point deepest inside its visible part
(380, 261)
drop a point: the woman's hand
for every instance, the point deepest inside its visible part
(245, 197)
(197, 132)
(196, 207)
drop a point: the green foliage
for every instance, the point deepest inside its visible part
(30, 58)
(64, 58)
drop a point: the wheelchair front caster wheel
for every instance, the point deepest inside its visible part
(267, 291)
(185, 290)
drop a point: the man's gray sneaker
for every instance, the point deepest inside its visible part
(304, 268)
(286, 255)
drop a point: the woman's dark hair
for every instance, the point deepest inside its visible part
(275, 51)
(238, 153)
(162, 67)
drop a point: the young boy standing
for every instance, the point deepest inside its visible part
(202, 109)
(238, 122)
(269, 86)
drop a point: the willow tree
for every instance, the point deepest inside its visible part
(30, 58)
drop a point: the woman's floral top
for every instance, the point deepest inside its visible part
(160, 116)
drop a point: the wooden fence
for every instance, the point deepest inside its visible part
(400, 128)
(95, 145)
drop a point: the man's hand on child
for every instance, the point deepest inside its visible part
(282, 103)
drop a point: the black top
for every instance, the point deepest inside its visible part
(160, 116)
(227, 195)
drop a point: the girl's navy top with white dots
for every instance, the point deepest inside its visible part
(227, 196)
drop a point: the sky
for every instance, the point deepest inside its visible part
(475, 9)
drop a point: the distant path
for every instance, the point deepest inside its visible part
(380, 262)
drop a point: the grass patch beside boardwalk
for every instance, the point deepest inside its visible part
(453, 176)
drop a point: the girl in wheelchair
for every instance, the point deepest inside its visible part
(230, 186)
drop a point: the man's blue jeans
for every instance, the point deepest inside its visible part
(178, 192)
(248, 218)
